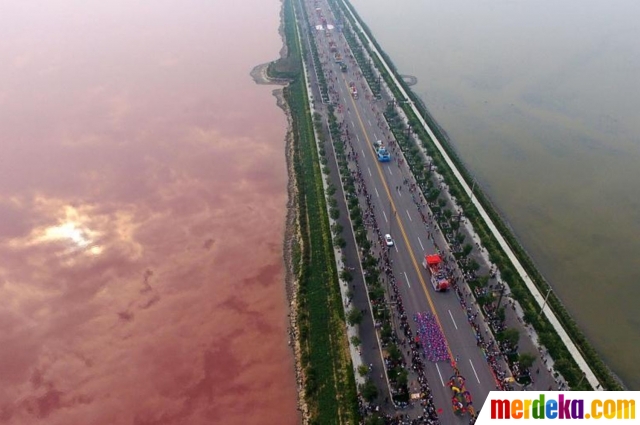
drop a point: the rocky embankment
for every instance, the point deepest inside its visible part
(261, 76)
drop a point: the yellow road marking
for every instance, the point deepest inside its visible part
(404, 234)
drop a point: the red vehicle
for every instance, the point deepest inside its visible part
(439, 279)
(354, 90)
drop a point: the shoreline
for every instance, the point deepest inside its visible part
(565, 340)
(291, 237)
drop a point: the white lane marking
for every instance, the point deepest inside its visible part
(454, 322)
(369, 121)
(438, 369)
(474, 371)
(385, 217)
(400, 192)
(370, 175)
(375, 136)
(408, 215)
(391, 172)
(395, 245)
(352, 124)
(362, 152)
(421, 246)
(377, 194)
(357, 137)
(406, 277)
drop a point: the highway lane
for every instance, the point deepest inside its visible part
(446, 305)
(410, 235)
(361, 108)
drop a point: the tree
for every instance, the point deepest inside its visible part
(386, 332)
(531, 317)
(350, 292)
(363, 370)
(483, 280)
(507, 274)
(473, 265)
(339, 242)
(365, 245)
(374, 420)
(433, 195)
(369, 390)
(501, 314)
(466, 249)
(355, 340)
(403, 378)
(346, 275)
(394, 353)
(354, 317)
(526, 360)
(511, 336)
(376, 292)
(311, 381)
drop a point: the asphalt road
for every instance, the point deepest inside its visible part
(398, 215)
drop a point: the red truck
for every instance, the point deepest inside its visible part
(439, 279)
(354, 90)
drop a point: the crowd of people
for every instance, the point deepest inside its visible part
(406, 342)
(434, 344)
(495, 321)
(490, 349)
(431, 343)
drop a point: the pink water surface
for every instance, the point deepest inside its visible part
(142, 208)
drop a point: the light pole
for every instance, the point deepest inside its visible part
(502, 287)
(473, 186)
(581, 379)
(544, 304)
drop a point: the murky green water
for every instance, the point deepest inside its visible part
(541, 99)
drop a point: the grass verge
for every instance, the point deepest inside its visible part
(564, 362)
(329, 384)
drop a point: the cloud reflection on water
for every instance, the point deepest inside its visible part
(142, 208)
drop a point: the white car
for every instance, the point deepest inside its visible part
(388, 240)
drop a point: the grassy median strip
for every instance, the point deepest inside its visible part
(329, 384)
(564, 362)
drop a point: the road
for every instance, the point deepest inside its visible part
(537, 294)
(398, 214)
